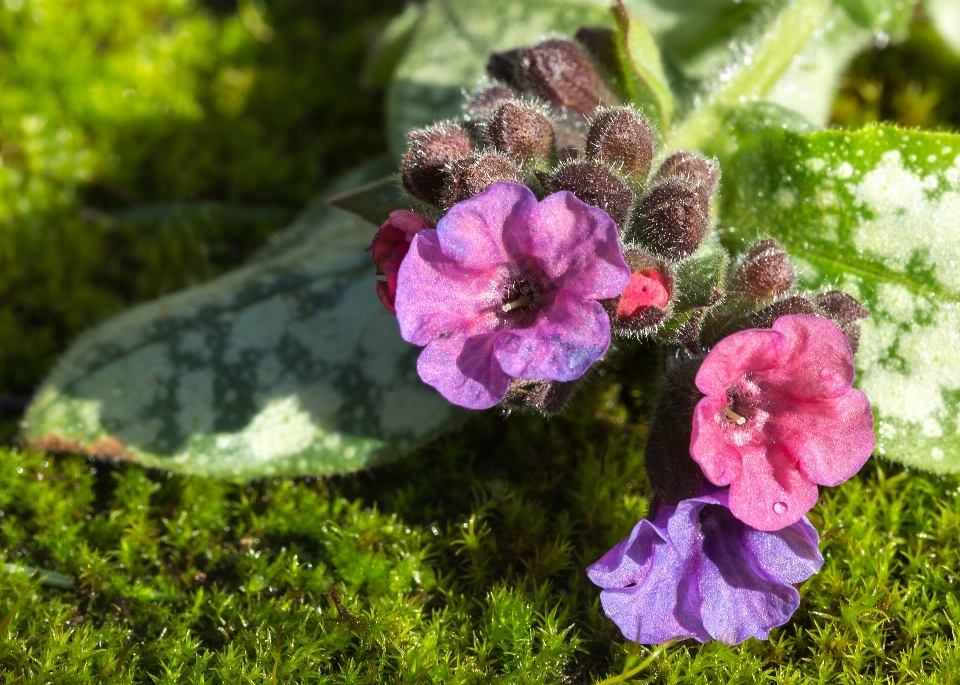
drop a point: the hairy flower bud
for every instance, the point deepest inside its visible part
(764, 274)
(522, 133)
(845, 312)
(674, 215)
(430, 152)
(472, 175)
(622, 137)
(796, 304)
(489, 97)
(596, 185)
(557, 71)
(644, 301)
(547, 397)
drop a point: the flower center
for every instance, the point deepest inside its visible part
(523, 296)
(743, 417)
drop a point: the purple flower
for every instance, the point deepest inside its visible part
(507, 287)
(697, 571)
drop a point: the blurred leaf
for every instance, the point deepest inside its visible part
(288, 366)
(449, 52)
(890, 16)
(646, 82)
(877, 214)
(390, 47)
(945, 15)
(374, 201)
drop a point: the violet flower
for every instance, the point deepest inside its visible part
(697, 571)
(780, 416)
(507, 287)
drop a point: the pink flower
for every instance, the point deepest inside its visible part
(646, 289)
(779, 417)
(390, 245)
(507, 287)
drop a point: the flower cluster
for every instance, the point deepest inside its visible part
(544, 228)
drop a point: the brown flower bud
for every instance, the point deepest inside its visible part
(845, 311)
(547, 397)
(596, 185)
(796, 304)
(674, 215)
(622, 137)
(522, 133)
(673, 473)
(557, 71)
(472, 175)
(764, 274)
(488, 97)
(431, 150)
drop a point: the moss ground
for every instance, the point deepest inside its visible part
(463, 563)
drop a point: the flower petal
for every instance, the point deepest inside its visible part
(738, 600)
(755, 349)
(578, 247)
(435, 297)
(720, 460)
(789, 555)
(770, 493)
(464, 371)
(560, 345)
(815, 358)
(479, 233)
(830, 439)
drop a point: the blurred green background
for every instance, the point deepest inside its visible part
(152, 144)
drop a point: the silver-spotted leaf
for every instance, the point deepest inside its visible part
(288, 366)
(877, 214)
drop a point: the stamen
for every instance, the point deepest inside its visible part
(521, 301)
(734, 416)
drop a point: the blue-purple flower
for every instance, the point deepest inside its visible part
(695, 570)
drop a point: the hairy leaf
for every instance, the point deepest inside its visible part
(877, 214)
(289, 366)
(646, 83)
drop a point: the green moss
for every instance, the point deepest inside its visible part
(462, 564)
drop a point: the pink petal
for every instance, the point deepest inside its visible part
(464, 371)
(646, 289)
(755, 349)
(770, 493)
(562, 343)
(478, 233)
(719, 460)
(830, 439)
(578, 247)
(815, 358)
(435, 297)
(408, 222)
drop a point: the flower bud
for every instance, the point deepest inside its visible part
(643, 302)
(388, 248)
(472, 175)
(557, 71)
(845, 312)
(796, 304)
(764, 274)
(522, 133)
(429, 153)
(547, 397)
(597, 186)
(674, 215)
(488, 98)
(673, 473)
(621, 137)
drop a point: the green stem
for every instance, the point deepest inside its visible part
(627, 674)
(785, 38)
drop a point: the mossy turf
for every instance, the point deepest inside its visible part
(462, 564)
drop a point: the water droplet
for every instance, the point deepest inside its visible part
(779, 507)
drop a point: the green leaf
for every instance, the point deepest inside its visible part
(390, 48)
(454, 39)
(890, 16)
(288, 366)
(645, 81)
(877, 214)
(374, 201)
(945, 15)
(701, 277)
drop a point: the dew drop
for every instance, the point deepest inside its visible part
(779, 507)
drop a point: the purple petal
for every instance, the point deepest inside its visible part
(560, 345)
(464, 371)
(435, 297)
(578, 247)
(789, 556)
(478, 233)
